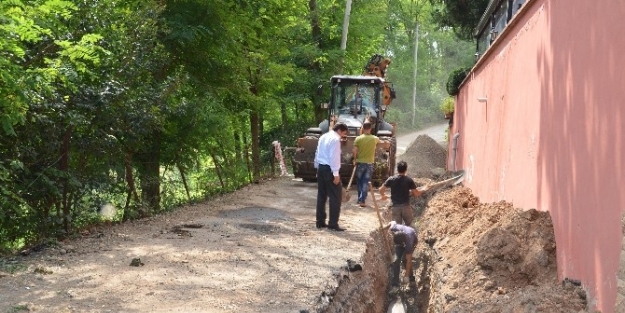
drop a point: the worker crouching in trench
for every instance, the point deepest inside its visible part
(405, 239)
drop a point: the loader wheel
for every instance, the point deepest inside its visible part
(392, 155)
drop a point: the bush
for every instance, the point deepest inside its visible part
(447, 106)
(455, 79)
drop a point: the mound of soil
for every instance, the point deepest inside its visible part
(478, 257)
(424, 155)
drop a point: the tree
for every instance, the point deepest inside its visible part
(151, 104)
(439, 53)
(461, 15)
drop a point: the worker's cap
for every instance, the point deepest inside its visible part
(399, 237)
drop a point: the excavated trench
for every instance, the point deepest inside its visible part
(365, 286)
(367, 290)
(361, 288)
(471, 256)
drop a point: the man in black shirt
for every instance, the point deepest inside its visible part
(402, 187)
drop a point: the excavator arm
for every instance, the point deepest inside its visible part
(377, 67)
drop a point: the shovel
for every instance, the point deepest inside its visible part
(375, 204)
(346, 194)
(456, 179)
(377, 211)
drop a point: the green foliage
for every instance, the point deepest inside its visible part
(24, 26)
(447, 106)
(461, 15)
(19, 308)
(148, 105)
(439, 52)
(455, 79)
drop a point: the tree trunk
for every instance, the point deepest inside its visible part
(127, 207)
(130, 182)
(246, 153)
(184, 181)
(255, 124)
(255, 131)
(414, 75)
(315, 67)
(237, 146)
(64, 167)
(149, 166)
(218, 171)
(315, 27)
(58, 206)
(284, 116)
(49, 204)
(261, 126)
(348, 9)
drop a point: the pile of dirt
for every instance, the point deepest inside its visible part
(476, 257)
(424, 155)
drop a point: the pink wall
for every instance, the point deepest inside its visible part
(552, 134)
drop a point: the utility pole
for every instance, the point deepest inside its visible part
(348, 9)
(414, 85)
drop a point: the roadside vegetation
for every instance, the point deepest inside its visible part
(142, 106)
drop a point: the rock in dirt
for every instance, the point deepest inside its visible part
(136, 262)
(353, 266)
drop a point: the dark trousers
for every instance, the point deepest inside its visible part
(397, 264)
(327, 189)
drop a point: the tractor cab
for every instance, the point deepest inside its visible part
(354, 98)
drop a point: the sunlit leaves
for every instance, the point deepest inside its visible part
(84, 54)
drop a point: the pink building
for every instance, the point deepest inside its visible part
(541, 123)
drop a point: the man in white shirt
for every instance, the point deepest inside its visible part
(328, 163)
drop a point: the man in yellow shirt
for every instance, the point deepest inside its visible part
(364, 154)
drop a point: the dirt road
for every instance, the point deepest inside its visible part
(256, 250)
